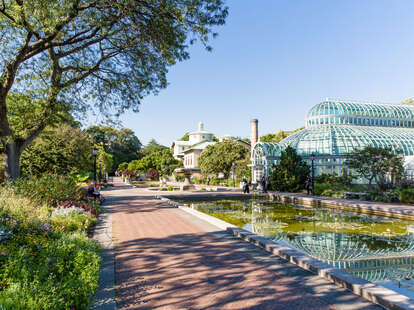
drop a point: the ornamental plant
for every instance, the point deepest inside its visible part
(47, 189)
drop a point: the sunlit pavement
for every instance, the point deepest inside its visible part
(168, 259)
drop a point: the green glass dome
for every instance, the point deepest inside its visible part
(360, 113)
(339, 140)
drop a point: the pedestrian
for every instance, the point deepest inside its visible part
(246, 189)
(307, 183)
(263, 183)
(208, 180)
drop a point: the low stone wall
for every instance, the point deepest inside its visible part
(391, 210)
(370, 291)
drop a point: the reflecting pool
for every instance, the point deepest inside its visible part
(376, 248)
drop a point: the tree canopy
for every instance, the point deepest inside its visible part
(219, 157)
(379, 165)
(121, 144)
(291, 172)
(278, 136)
(160, 160)
(92, 55)
(61, 150)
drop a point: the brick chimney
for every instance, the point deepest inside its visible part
(254, 136)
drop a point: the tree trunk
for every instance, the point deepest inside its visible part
(11, 161)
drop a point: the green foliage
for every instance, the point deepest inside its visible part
(122, 166)
(407, 195)
(47, 189)
(44, 264)
(41, 272)
(186, 137)
(61, 150)
(101, 57)
(153, 147)
(219, 157)
(121, 144)
(161, 160)
(81, 177)
(279, 136)
(374, 164)
(291, 172)
(408, 101)
(274, 137)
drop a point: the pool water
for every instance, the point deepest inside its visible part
(376, 248)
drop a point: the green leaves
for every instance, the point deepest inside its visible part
(291, 172)
(219, 157)
(376, 164)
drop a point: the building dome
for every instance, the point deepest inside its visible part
(340, 140)
(361, 113)
(334, 128)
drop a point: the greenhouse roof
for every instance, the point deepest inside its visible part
(335, 107)
(339, 140)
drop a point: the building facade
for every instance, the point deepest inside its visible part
(189, 151)
(333, 128)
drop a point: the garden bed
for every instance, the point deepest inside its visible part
(47, 260)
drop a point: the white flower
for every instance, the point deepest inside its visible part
(63, 212)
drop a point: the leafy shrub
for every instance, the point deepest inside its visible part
(321, 187)
(81, 177)
(45, 273)
(406, 195)
(170, 188)
(47, 189)
(152, 174)
(45, 263)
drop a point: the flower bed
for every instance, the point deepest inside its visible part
(46, 258)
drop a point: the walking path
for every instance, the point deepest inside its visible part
(166, 258)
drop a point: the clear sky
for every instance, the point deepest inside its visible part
(275, 59)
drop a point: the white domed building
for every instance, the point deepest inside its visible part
(189, 151)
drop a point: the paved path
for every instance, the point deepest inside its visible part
(167, 259)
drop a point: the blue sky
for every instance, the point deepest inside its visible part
(275, 59)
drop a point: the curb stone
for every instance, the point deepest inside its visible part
(368, 290)
(105, 296)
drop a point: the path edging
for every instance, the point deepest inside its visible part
(368, 290)
(105, 296)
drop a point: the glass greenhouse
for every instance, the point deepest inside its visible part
(333, 128)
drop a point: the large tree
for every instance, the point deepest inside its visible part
(290, 173)
(122, 144)
(81, 55)
(219, 157)
(61, 150)
(376, 164)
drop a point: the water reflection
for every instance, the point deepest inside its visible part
(378, 249)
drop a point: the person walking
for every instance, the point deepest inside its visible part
(307, 184)
(246, 189)
(208, 180)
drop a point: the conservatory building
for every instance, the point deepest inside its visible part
(333, 128)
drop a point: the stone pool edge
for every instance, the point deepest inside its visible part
(370, 291)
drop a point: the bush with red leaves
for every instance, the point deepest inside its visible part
(153, 174)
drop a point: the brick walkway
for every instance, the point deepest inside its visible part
(168, 259)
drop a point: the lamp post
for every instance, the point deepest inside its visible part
(232, 165)
(94, 153)
(100, 171)
(313, 174)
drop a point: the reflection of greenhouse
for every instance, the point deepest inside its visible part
(335, 127)
(375, 258)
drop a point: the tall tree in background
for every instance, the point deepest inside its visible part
(279, 136)
(291, 172)
(122, 144)
(376, 164)
(219, 157)
(80, 55)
